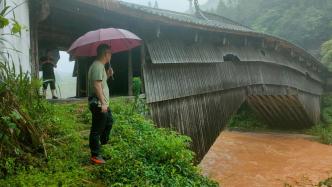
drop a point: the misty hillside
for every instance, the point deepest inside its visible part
(306, 23)
(210, 5)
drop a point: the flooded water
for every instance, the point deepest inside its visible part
(240, 159)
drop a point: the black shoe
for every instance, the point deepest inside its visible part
(55, 97)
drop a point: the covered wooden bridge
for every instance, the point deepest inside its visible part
(197, 69)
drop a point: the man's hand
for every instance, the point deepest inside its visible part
(99, 92)
(104, 108)
(110, 72)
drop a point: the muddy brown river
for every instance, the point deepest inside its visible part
(239, 159)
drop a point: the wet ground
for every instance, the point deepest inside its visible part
(239, 159)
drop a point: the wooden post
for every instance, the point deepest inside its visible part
(34, 49)
(78, 80)
(130, 74)
(34, 60)
(142, 67)
(37, 14)
(158, 31)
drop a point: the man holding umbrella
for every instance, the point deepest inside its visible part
(97, 43)
(98, 92)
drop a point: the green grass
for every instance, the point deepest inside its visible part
(63, 164)
(139, 154)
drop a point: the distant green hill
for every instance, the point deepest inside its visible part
(306, 23)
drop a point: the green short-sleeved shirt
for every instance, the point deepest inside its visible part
(97, 73)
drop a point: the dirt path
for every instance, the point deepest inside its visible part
(240, 159)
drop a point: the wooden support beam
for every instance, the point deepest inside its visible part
(224, 41)
(196, 37)
(263, 44)
(34, 39)
(308, 64)
(314, 67)
(256, 106)
(299, 112)
(276, 46)
(301, 59)
(130, 74)
(44, 11)
(292, 53)
(158, 31)
(34, 49)
(265, 111)
(142, 66)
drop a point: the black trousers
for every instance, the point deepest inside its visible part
(51, 82)
(100, 129)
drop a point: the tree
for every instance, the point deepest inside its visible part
(156, 4)
(326, 52)
(306, 23)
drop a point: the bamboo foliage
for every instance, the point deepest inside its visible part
(17, 93)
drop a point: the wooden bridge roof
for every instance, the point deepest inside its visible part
(214, 23)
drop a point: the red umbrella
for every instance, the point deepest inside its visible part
(118, 39)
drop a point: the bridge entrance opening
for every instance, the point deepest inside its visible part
(246, 119)
(61, 26)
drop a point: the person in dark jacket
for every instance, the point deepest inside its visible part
(48, 63)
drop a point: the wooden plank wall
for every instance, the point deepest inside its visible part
(311, 104)
(202, 117)
(172, 81)
(178, 51)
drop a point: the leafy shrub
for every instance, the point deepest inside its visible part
(326, 183)
(326, 53)
(63, 165)
(326, 109)
(246, 119)
(323, 130)
(19, 107)
(139, 103)
(137, 85)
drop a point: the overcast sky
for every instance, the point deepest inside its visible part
(175, 5)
